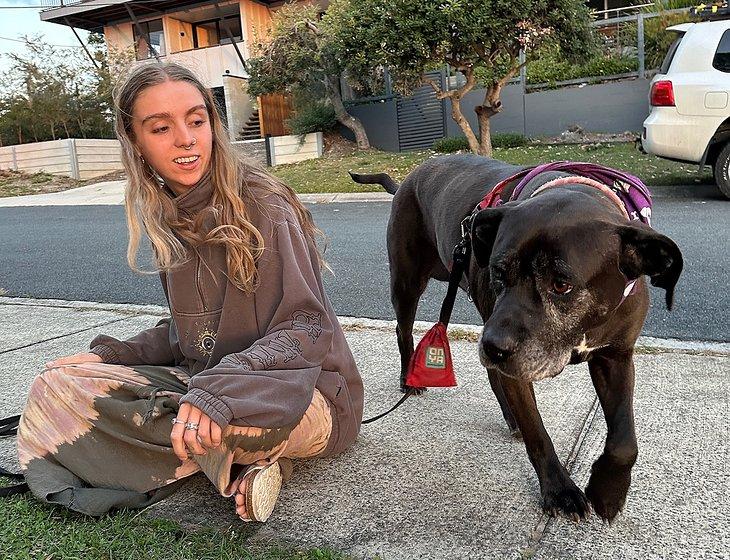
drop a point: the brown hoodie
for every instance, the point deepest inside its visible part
(255, 359)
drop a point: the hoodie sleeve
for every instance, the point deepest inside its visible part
(271, 383)
(157, 346)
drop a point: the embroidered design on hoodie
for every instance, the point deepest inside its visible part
(283, 343)
(236, 361)
(205, 341)
(307, 321)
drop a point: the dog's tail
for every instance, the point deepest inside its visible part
(376, 178)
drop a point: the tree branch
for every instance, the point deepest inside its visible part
(440, 94)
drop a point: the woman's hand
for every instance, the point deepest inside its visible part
(82, 358)
(208, 434)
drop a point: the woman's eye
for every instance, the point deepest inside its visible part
(560, 287)
(160, 129)
(198, 122)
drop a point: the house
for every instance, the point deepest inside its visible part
(213, 38)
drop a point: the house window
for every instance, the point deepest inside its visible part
(153, 30)
(213, 32)
(722, 56)
(234, 26)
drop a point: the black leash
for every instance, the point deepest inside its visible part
(410, 392)
(9, 427)
(460, 258)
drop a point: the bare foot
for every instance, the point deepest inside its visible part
(240, 497)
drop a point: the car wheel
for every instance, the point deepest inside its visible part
(721, 170)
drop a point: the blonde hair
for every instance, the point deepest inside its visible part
(173, 234)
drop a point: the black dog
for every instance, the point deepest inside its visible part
(548, 276)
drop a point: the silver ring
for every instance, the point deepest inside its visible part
(190, 146)
(191, 425)
(176, 421)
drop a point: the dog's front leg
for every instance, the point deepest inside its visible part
(613, 378)
(559, 492)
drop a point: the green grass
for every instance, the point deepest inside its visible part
(34, 530)
(329, 174)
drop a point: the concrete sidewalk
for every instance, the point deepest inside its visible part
(112, 193)
(440, 477)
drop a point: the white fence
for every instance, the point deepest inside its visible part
(86, 159)
(73, 157)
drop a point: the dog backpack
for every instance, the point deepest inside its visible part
(430, 364)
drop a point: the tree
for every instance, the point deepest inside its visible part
(300, 56)
(47, 94)
(481, 39)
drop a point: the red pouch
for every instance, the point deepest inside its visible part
(430, 364)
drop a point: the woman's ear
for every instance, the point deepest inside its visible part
(644, 251)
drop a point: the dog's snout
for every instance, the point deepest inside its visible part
(497, 348)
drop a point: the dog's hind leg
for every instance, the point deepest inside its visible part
(496, 384)
(412, 262)
(405, 291)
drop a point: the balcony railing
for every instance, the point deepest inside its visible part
(53, 4)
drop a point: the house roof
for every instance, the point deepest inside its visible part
(93, 15)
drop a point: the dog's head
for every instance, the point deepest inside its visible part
(551, 269)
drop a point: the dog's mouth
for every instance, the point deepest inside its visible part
(535, 369)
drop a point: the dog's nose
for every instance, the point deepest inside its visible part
(498, 348)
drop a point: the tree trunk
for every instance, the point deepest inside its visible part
(345, 118)
(456, 96)
(464, 125)
(491, 106)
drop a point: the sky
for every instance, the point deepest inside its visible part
(21, 17)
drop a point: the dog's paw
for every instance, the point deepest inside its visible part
(607, 487)
(568, 501)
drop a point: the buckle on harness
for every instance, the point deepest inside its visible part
(466, 226)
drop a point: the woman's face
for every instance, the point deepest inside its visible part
(173, 133)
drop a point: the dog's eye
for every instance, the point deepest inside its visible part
(560, 287)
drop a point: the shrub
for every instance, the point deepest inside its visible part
(450, 145)
(314, 117)
(551, 69)
(509, 140)
(457, 143)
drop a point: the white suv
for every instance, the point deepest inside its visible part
(690, 115)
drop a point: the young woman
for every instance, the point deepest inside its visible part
(252, 368)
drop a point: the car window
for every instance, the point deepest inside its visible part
(722, 55)
(664, 68)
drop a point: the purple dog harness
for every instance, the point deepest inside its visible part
(627, 192)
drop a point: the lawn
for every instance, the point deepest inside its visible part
(33, 530)
(329, 174)
(17, 183)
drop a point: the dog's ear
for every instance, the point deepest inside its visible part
(483, 233)
(644, 251)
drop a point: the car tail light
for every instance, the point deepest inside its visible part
(662, 94)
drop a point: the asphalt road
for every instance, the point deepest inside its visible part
(78, 253)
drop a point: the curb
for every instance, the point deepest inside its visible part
(109, 194)
(645, 344)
